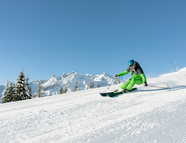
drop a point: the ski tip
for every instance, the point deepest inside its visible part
(103, 94)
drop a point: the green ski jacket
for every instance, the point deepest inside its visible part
(137, 74)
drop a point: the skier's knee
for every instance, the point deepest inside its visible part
(129, 88)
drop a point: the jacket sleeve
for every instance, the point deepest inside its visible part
(123, 73)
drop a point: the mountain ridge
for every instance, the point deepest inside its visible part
(52, 85)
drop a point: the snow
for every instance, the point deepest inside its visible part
(148, 115)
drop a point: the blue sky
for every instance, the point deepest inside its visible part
(45, 37)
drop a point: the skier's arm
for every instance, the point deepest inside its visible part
(123, 73)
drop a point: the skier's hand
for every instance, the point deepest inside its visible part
(116, 75)
(145, 84)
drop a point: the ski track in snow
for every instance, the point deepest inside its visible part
(148, 115)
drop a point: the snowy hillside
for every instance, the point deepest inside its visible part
(148, 115)
(53, 85)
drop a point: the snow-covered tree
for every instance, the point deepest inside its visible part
(40, 92)
(28, 87)
(98, 85)
(76, 86)
(20, 89)
(7, 95)
(119, 81)
(116, 82)
(105, 83)
(66, 88)
(91, 84)
(61, 90)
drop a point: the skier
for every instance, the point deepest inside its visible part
(138, 77)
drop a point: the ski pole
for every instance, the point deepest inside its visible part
(111, 83)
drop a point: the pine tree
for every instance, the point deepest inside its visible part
(28, 88)
(34, 95)
(61, 90)
(98, 85)
(116, 82)
(91, 84)
(20, 89)
(40, 92)
(66, 88)
(105, 83)
(76, 86)
(7, 95)
(119, 81)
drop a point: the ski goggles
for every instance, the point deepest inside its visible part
(132, 65)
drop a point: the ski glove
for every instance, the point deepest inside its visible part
(116, 75)
(145, 84)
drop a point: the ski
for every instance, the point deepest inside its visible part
(105, 93)
(112, 94)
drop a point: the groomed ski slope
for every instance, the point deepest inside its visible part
(148, 115)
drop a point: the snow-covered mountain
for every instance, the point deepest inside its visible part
(148, 115)
(53, 85)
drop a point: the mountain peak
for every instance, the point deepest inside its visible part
(53, 85)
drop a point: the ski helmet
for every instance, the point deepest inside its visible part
(131, 62)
